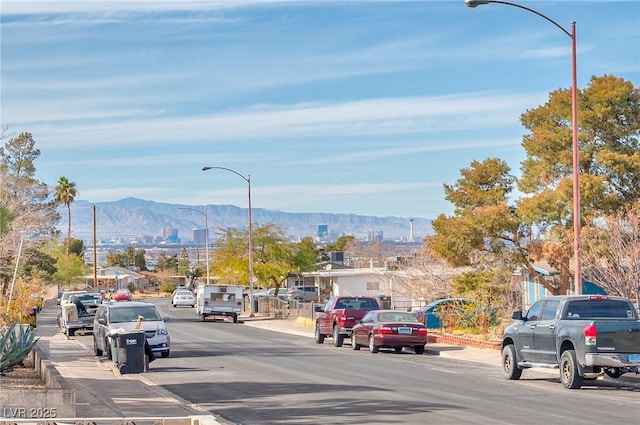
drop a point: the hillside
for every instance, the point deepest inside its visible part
(132, 217)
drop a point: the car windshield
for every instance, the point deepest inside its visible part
(397, 317)
(131, 314)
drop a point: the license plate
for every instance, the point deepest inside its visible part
(404, 331)
(634, 358)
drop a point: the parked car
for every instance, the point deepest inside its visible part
(113, 317)
(64, 297)
(389, 329)
(303, 293)
(180, 288)
(434, 314)
(339, 315)
(183, 298)
(283, 293)
(90, 301)
(122, 295)
(583, 336)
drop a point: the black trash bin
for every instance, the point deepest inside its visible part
(130, 351)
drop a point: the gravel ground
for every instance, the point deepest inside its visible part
(24, 377)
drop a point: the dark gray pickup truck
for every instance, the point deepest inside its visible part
(584, 336)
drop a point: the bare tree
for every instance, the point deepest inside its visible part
(27, 212)
(611, 252)
(423, 277)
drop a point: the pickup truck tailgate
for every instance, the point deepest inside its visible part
(618, 336)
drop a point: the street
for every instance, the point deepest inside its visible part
(248, 376)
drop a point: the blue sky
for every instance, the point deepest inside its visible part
(363, 107)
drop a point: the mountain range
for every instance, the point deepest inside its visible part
(136, 218)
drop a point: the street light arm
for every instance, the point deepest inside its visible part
(246, 178)
(475, 3)
(193, 209)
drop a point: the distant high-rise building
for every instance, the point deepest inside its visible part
(411, 230)
(323, 232)
(375, 235)
(170, 235)
(200, 236)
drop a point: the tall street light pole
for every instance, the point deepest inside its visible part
(246, 178)
(574, 128)
(206, 235)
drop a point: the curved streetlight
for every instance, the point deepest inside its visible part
(246, 178)
(206, 235)
(574, 128)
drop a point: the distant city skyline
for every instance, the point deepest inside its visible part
(346, 107)
(151, 222)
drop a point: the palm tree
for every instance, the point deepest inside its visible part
(65, 194)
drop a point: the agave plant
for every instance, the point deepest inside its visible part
(16, 341)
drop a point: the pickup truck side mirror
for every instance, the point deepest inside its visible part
(318, 309)
(101, 321)
(517, 315)
(166, 318)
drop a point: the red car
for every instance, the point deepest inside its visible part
(389, 329)
(122, 295)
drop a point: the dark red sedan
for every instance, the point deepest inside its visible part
(389, 329)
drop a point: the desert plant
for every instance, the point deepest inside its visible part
(16, 341)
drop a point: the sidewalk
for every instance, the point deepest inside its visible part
(100, 390)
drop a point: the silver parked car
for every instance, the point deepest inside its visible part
(113, 316)
(303, 293)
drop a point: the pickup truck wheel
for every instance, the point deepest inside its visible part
(569, 375)
(318, 336)
(354, 344)
(71, 332)
(338, 338)
(372, 346)
(165, 354)
(235, 319)
(510, 369)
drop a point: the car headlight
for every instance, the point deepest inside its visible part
(163, 332)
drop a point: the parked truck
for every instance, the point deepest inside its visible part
(584, 336)
(77, 311)
(339, 315)
(220, 301)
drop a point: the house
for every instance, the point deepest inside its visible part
(368, 281)
(115, 278)
(532, 290)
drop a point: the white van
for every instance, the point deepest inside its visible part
(219, 301)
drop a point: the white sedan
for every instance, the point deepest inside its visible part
(183, 298)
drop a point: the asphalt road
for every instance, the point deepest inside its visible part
(251, 376)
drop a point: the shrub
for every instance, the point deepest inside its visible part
(167, 287)
(16, 341)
